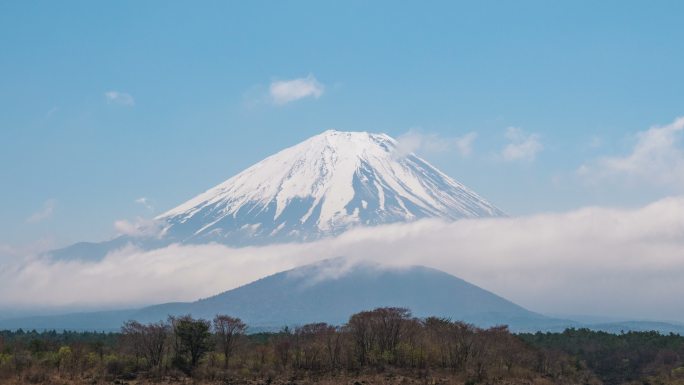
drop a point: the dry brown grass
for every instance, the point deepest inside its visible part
(370, 379)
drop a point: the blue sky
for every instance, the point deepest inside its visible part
(102, 104)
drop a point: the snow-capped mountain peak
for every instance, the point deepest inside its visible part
(324, 185)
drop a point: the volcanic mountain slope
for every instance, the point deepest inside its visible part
(328, 291)
(332, 290)
(322, 186)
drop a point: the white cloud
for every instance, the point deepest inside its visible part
(595, 142)
(140, 227)
(18, 252)
(286, 91)
(656, 156)
(464, 144)
(415, 141)
(120, 98)
(521, 146)
(622, 262)
(44, 213)
(145, 202)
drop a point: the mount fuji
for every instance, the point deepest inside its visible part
(322, 186)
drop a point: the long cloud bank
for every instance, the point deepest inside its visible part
(615, 262)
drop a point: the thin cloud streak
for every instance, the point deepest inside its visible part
(140, 227)
(286, 91)
(464, 144)
(522, 146)
(120, 98)
(657, 157)
(415, 141)
(145, 202)
(44, 213)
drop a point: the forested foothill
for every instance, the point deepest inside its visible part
(381, 346)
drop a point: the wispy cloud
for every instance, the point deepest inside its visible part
(464, 144)
(286, 91)
(415, 141)
(24, 251)
(522, 146)
(595, 142)
(657, 156)
(629, 262)
(120, 98)
(146, 202)
(140, 227)
(44, 213)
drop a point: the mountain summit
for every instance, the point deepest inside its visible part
(323, 186)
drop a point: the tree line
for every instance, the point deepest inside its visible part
(384, 341)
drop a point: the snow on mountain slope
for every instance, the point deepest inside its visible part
(323, 186)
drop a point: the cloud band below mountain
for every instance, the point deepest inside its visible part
(618, 262)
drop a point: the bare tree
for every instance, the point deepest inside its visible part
(389, 324)
(378, 331)
(333, 345)
(228, 330)
(146, 340)
(132, 338)
(154, 339)
(311, 345)
(360, 328)
(282, 345)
